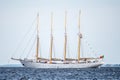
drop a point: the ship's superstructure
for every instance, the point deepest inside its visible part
(40, 62)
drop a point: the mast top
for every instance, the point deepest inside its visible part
(51, 23)
(65, 20)
(79, 21)
(38, 14)
(38, 24)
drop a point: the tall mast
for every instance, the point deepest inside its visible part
(37, 45)
(51, 43)
(65, 43)
(79, 36)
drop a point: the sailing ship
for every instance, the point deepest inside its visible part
(80, 62)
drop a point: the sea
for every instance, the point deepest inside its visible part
(23, 73)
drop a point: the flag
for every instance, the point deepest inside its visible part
(102, 56)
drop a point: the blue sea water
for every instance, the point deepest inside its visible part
(22, 73)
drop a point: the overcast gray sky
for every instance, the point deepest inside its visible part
(100, 25)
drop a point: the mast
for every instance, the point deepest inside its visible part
(79, 36)
(65, 43)
(37, 44)
(51, 43)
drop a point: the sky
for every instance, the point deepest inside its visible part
(100, 25)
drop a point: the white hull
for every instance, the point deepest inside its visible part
(47, 65)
